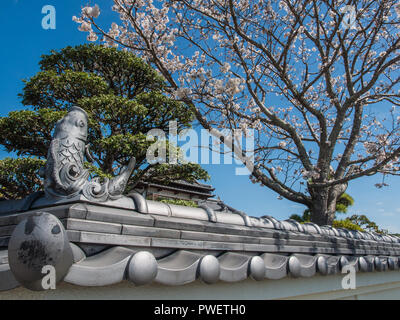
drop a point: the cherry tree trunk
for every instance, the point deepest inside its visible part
(323, 207)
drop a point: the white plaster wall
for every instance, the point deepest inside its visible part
(375, 285)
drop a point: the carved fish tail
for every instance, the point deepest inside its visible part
(118, 184)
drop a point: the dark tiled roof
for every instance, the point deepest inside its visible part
(181, 184)
(195, 184)
(172, 187)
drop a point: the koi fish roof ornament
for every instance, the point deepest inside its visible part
(65, 174)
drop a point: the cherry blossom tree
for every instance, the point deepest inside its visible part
(317, 80)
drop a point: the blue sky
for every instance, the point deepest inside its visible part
(24, 41)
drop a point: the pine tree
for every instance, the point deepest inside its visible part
(124, 98)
